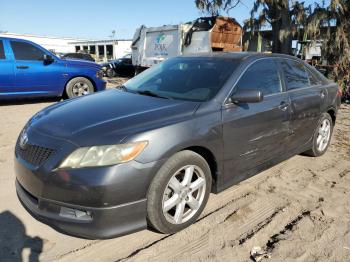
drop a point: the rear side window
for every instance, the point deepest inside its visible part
(312, 78)
(26, 51)
(262, 75)
(2, 51)
(295, 73)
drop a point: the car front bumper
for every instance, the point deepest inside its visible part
(95, 203)
(85, 222)
(100, 84)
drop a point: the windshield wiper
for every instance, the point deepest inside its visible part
(150, 93)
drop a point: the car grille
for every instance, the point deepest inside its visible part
(33, 154)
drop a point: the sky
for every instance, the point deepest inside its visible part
(96, 19)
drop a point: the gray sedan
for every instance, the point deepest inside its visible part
(149, 153)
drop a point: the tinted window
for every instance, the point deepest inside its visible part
(74, 55)
(2, 52)
(194, 79)
(312, 78)
(26, 51)
(127, 61)
(295, 74)
(262, 75)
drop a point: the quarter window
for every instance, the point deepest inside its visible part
(262, 75)
(2, 52)
(26, 51)
(296, 75)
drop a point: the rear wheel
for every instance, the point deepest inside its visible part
(322, 136)
(178, 192)
(79, 86)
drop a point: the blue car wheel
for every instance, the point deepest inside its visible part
(79, 86)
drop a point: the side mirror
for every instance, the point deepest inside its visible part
(48, 59)
(247, 96)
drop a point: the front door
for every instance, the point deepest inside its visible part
(254, 133)
(6, 71)
(33, 76)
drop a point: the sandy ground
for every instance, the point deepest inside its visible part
(298, 210)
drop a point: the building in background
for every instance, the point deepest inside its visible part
(103, 50)
(54, 44)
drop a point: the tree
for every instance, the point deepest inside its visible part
(335, 20)
(284, 17)
(215, 7)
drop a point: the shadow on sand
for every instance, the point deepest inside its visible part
(13, 239)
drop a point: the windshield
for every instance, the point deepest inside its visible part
(184, 78)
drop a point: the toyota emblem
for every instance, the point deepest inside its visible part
(23, 140)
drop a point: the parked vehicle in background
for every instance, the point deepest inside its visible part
(59, 54)
(120, 67)
(80, 56)
(152, 45)
(29, 70)
(150, 153)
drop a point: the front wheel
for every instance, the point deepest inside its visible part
(79, 86)
(110, 72)
(322, 136)
(178, 192)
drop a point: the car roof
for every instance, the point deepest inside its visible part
(240, 55)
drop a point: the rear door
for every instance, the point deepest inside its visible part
(6, 70)
(33, 76)
(254, 133)
(306, 95)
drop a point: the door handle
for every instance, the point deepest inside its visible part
(22, 67)
(323, 94)
(283, 106)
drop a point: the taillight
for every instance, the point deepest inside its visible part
(340, 91)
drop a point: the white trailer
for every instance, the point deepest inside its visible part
(152, 45)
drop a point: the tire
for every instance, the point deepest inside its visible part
(110, 72)
(191, 198)
(322, 136)
(79, 86)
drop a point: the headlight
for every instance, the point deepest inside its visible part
(103, 155)
(99, 73)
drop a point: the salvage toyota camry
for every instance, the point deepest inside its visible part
(149, 153)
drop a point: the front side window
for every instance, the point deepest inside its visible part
(2, 51)
(295, 74)
(26, 51)
(262, 75)
(184, 78)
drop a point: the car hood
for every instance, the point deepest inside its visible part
(80, 63)
(111, 114)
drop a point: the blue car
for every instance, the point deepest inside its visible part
(29, 70)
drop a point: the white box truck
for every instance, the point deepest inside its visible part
(152, 45)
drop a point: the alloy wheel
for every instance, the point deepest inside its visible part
(324, 134)
(80, 89)
(184, 194)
